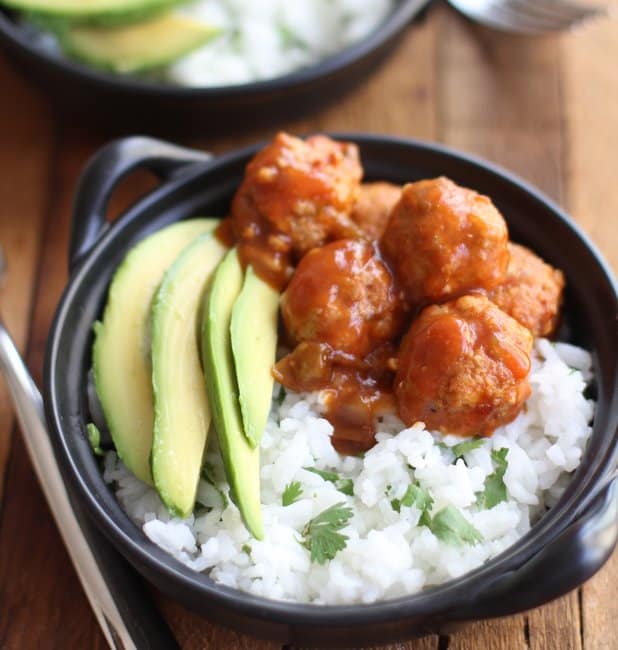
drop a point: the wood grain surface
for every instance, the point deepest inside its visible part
(545, 108)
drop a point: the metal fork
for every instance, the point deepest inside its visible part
(534, 17)
(118, 599)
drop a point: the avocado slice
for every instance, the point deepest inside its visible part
(241, 460)
(121, 350)
(182, 413)
(254, 345)
(109, 12)
(140, 46)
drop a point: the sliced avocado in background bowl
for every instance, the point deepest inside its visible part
(153, 43)
(254, 345)
(182, 413)
(121, 350)
(109, 12)
(241, 460)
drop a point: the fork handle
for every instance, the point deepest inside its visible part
(118, 599)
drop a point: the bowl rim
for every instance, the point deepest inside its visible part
(386, 30)
(439, 598)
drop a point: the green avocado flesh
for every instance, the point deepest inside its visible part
(241, 460)
(96, 11)
(114, 10)
(140, 46)
(182, 413)
(254, 345)
(121, 351)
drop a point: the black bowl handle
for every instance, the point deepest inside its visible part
(103, 173)
(566, 562)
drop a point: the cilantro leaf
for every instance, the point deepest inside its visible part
(245, 548)
(468, 445)
(208, 474)
(291, 494)
(345, 485)
(495, 489)
(416, 496)
(289, 39)
(321, 534)
(327, 476)
(94, 437)
(451, 527)
(425, 519)
(281, 395)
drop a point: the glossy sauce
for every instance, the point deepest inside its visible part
(296, 195)
(266, 251)
(443, 241)
(303, 222)
(355, 391)
(344, 295)
(463, 367)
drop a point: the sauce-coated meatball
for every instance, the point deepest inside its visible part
(531, 292)
(463, 368)
(374, 206)
(299, 193)
(443, 240)
(342, 295)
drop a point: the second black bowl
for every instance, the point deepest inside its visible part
(126, 103)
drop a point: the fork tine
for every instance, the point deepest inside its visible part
(491, 13)
(502, 15)
(534, 17)
(569, 8)
(562, 13)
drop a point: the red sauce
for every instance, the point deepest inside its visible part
(356, 391)
(268, 257)
(297, 221)
(296, 195)
(462, 368)
(267, 251)
(225, 232)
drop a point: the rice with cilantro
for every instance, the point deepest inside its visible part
(262, 39)
(416, 510)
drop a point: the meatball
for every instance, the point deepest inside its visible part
(443, 240)
(532, 291)
(302, 191)
(342, 295)
(463, 368)
(374, 206)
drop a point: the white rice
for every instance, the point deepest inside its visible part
(261, 39)
(387, 553)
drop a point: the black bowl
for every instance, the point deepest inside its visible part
(130, 103)
(565, 548)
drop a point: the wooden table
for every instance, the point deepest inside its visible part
(545, 108)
